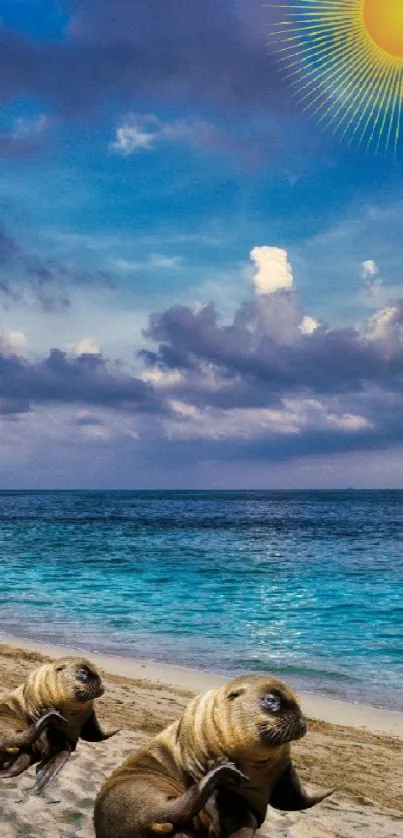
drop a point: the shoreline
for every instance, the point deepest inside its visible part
(381, 722)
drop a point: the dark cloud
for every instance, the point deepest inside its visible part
(264, 356)
(26, 277)
(83, 380)
(275, 447)
(87, 421)
(256, 389)
(327, 391)
(193, 50)
(11, 408)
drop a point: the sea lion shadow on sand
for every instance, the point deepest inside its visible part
(215, 771)
(42, 720)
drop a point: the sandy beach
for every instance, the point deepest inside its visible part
(357, 749)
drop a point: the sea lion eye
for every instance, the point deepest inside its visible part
(234, 694)
(82, 674)
(271, 702)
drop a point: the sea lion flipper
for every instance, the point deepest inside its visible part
(47, 771)
(290, 796)
(49, 716)
(182, 809)
(225, 772)
(24, 738)
(92, 731)
(19, 765)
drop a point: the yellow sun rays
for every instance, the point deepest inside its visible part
(345, 59)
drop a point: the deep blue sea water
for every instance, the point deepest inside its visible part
(308, 585)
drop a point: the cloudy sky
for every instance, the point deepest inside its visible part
(199, 286)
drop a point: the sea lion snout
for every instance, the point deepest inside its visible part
(88, 693)
(100, 690)
(303, 727)
(279, 718)
(288, 728)
(88, 683)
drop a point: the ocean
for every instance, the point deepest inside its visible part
(306, 585)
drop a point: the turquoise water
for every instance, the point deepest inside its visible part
(308, 585)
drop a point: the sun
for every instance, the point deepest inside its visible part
(384, 22)
(345, 60)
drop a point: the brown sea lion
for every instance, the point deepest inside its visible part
(245, 728)
(69, 687)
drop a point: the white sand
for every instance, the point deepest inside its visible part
(340, 751)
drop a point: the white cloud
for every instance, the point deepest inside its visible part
(113, 319)
(294, 416)
(239, 423)
(381, 323)
(161, 378)
(272, 269)
(86, 346)
(369, 269)
(14, 343)
(94, 432)
(308, 325)
(348, 422)
(130, 139)
(315, 414)
(369, 272)
(154, 260)
(141, 132)
(158, 260)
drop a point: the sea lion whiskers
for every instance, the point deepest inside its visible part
(289, 728)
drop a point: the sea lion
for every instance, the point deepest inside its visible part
(67, 687)
(245, 728)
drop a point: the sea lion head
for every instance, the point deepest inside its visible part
(261, 713)
(79, 679)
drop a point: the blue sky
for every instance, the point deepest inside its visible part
(146, 152)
